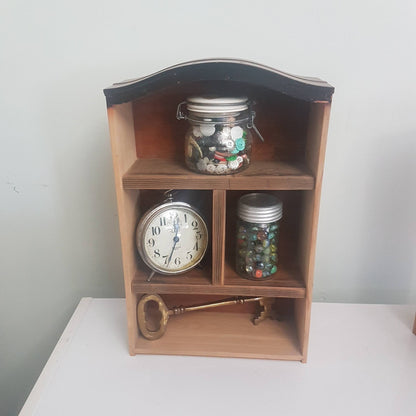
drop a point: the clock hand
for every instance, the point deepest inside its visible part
(175, 239)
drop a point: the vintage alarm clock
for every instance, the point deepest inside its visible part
(171, 237)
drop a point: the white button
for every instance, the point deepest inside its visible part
(221, 168)
(211, 168)
(236, 132)
(201, 165)
(196, 131)
(207, 129)
(233, 164)
(226, 131)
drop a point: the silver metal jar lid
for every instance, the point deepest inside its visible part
(217, 105)
(260, 208)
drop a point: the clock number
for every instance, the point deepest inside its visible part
(155, 230)
(162, 221)
(166, 259)
(198, 235)
(151, 242)
(196, 246)
(177, 261)
(185, 218)
(156, 253)
(194, 224)
(189, 255)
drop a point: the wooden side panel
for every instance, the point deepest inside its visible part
(218, 235)
(314, 157)
(120, 118)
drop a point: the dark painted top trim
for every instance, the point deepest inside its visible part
(303, 88)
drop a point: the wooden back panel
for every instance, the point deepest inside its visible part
(281, 120)
(282, 305)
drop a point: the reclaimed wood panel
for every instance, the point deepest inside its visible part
(172, 174)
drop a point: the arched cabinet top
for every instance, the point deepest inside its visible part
(233, 70)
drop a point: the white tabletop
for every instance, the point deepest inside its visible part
(362, 361)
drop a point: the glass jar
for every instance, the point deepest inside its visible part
(219, 140)
(258, 224)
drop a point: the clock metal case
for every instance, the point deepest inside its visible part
(147, 146)
(146, 220)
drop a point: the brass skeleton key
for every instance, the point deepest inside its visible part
(265, 304)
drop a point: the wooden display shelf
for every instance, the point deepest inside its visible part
(171, 174)
(285, 283)
(148, 156)
(225, 334)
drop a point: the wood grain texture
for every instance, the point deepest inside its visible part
(315, 155)
(172, 174)
(120, 119)
(281, 120)
(148, 152)
(225, 335)
(285, 283)
(197, 277)
(218, 235)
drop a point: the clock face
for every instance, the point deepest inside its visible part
(172, 238)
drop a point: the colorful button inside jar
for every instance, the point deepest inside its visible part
(258, 224)
(218, 141)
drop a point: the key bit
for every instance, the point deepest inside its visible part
(266, 305)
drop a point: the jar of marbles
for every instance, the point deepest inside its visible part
(258, 224)
(219, 139)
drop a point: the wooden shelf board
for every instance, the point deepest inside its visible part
(225, 334)
(189, 282)
(286, 283)
(171, 174)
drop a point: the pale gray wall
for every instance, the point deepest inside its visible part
(59, 232)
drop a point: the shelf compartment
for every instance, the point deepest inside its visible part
(172, 174)
(285, 284)
(288, 280)
(197, 280)
(225, 334)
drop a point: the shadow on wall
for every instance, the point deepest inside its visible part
(85, 195)
(387, 255)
